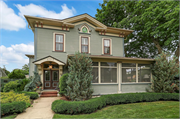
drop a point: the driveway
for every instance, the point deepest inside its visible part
(41, 109)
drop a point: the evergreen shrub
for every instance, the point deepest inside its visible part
(16, 74)
(32, 95)
(12, 85)
(89, 106)
(22, 84)
(13, 107)
(62, 84)
(164, 70)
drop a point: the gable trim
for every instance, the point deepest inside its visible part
(48, 58)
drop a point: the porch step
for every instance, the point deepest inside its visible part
(49, 94)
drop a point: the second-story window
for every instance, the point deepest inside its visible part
(107, 46)
(59, 44)
(84, 44)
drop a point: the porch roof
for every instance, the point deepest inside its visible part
(49, 58)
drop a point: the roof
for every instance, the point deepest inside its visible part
(30, 56)
(70, 23)
(118, 58)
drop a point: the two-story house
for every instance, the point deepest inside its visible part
(55, 40)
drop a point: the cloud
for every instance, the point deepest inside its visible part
(9, 20)
(15, 54)
(37, 10)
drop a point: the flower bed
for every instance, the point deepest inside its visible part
(89, 106)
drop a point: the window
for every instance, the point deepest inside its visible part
(59, 42)
(144, 73)
(108, 72)
(107, 46)
(95, 72)
(84, 30)
(128, 72)
(84, 45)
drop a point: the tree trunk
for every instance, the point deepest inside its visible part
(157, 46)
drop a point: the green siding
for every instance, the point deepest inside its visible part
(127, 88)
(104, 89)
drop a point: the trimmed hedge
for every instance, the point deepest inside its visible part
(32, 95)
(11, 108)
(89, 106)
(62, 84)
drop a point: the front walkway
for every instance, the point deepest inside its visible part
(41, 109)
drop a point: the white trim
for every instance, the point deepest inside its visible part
(99, 72)
(120, 77)
(89, 41)
(136, 73)
(64, 47)
(110, 39)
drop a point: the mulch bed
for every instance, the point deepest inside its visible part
(65, 98)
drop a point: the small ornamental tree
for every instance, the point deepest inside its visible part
(164, 71)
(79, 78)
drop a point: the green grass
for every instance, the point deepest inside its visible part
(10, 116)
(159, 109)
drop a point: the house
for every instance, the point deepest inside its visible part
(56, 40)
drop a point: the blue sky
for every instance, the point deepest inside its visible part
(16, 39)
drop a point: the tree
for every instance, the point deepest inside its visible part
(164, 70)
(155, 25)
(25, 69)
(79, 77)
(16, 74)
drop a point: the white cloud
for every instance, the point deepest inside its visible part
(37, 10)
(15, 54)
(9, 20)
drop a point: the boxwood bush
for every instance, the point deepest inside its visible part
(89, 106)
(11, 108)
(62, 84)
(32, 95)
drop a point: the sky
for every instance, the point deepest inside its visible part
(16, 39)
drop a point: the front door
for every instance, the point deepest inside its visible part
(51, 79)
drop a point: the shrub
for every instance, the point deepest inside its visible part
(63, 85)
(22, 84)
(79, 77)
(11, 108)
(164, 71)
(89, 106)
(14, 97)
(12, 85)
(16, 74)
(32, 95)
(4, 77)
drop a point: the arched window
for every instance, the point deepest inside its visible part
(84, 30)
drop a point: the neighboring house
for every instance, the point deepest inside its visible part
(55, 40)
(2, 73)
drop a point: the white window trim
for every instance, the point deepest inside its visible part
(89, 45)
(110, 45)
(137, 74)
(55, 33)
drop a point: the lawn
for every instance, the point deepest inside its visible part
(159, 109)
(9, 117)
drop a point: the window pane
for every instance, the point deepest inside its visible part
(106, 43)
(144, 75)
(84, 41)
(128, 65)
(59, 38)
(55, 66)
(106, 50)
(59, 46)
(111, 64)
(84, 48)
(108, 75)
(95, 75)
(47, 75)
(55, 76)
(144, 65)
(128, 75)
(95, 64)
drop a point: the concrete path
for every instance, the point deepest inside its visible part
(41, 109)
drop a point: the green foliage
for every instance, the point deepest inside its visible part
(89, 106)
(11, 108)
(155, 25)
(32, 95)
(16, 74)
(22, 84)
(25, 69)
(4, 77)
(14, 97)
(63, 85)
(164, 70)
(35, 82)
(79, 78)
(12, 85)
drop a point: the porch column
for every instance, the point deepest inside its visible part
(60, 71)
(119, 65)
